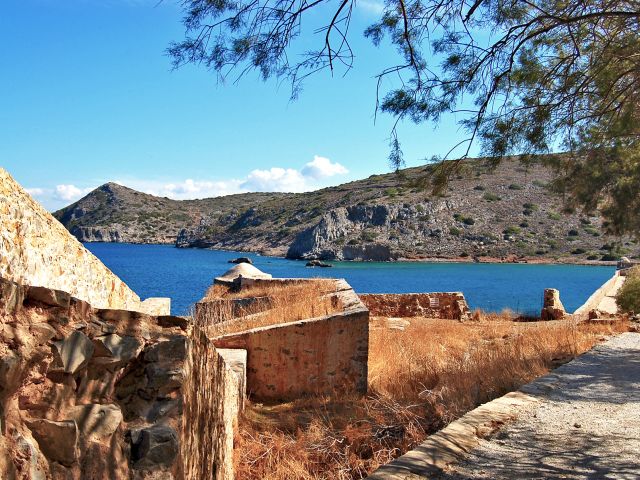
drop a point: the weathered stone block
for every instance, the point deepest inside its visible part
(168, 321)
(153, 447)
(74, 352)
(552, 308)
(169, 350)
(95, 421)
(163, 380)
(116, 349)
(57, 440)
(47, 296)
(11, 295)
(42, 332)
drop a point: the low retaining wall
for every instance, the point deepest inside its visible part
(449, 305)
(596, 297)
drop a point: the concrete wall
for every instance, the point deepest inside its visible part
(596, 297)
(450, 305)
(322, 355)
(35, 249)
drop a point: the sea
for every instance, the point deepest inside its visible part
(184, 275)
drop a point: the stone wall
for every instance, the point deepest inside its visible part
(449, 305)
(35, 249)
(324, 355)
(596, 297)
(105, 394)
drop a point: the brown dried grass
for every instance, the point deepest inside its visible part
(285, 302)
(420, 379)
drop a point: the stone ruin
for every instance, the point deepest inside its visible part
(97, 384)
(552, 308)
(92, 393)
(446, 305)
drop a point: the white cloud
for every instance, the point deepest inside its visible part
(70, 193)
(322, 167)
(312, 175)
(371, 6)
(35, 192)
(275, 180)
(187, 189)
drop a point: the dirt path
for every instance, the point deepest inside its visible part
(585, 426)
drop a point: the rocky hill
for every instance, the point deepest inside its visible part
(503, 213)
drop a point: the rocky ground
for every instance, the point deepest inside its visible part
(504, 214)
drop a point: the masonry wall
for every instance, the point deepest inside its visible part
(107, 394)
(212, 402)
(448, 305)
(322, 355)
(35, 249)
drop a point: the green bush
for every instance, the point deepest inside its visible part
(491, 197)
(455, 231)
(511, 230)
(628, 298)
(468, 221)
(515, 186)
(573, 233)
(368, 235)
(578, 251)
(539, 183)
(554, 216)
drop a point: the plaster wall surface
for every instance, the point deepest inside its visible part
(35, 249)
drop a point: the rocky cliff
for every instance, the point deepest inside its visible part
(505, 213)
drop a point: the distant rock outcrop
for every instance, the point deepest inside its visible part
(505, 213)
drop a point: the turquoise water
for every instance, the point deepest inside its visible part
(184, 275)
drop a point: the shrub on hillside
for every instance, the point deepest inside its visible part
(491, 197)
(628, 298)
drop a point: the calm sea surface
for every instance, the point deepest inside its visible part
(184, 275)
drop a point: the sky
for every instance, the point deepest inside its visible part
(88, 96)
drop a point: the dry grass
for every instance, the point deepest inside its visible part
(276, 303)
(420, 379)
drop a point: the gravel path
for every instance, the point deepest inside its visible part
(587, 425)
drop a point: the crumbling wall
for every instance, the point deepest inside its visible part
(100, 394)
(35, 249)
(449, 305)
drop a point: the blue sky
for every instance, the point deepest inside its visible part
(88, 96)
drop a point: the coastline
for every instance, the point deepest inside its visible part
(511, 259)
